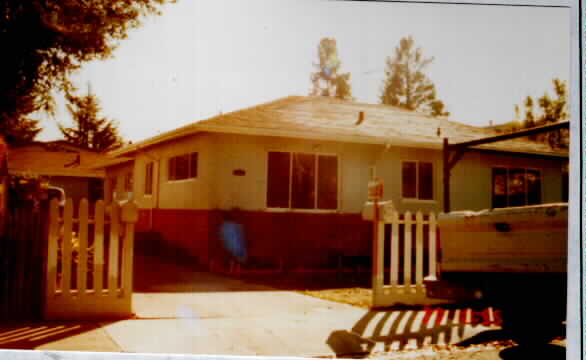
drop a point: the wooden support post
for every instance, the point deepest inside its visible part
(446, 164)
(375, 249)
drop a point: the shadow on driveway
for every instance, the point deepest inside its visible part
(31, 336)
(401, 328)
(154, 274)
(413, 328)
(158, 275)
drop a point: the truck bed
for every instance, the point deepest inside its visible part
(528, 239)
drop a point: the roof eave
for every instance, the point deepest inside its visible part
(369, 140)
(92, 174)
(171, 135)
(113, 162)
(360, 139)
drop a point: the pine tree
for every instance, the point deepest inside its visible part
(529, 117)
(45, 42)
(19, 131)
(90, 131)
(551, 111)
(326, 81)
(406, 85)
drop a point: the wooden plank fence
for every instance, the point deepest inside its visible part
(22, 249)
(89, 261)
(411, 245)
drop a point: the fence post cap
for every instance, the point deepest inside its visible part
(129, 211)
(386, 208)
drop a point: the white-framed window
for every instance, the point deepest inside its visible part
(113, 187)
(303, 181)
(417, 180)
(515, 187)
(148, 178)
(183, 167)
(128, 181)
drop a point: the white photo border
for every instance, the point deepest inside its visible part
(576, 336)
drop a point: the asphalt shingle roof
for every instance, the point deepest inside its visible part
(333, 119)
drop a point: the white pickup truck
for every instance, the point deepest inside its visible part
(512, 258)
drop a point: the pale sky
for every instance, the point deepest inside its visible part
(203, 57)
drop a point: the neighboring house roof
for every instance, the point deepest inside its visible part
(325, 118)
(54, 159)
(111, 161)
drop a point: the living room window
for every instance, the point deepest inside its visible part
(183, 167)
(302, 181)
(417, 180)
(148, 180)
(515, 187)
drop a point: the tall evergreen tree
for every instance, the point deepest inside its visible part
(90, 131)
(326, 80)
(19, 131)
(406, 85)
(529, 121)
(44, 42)
(551, 110)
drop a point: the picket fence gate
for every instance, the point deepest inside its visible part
(401, 282)
(90, 261)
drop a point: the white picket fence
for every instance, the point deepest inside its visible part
(89, 267)
(405, 273)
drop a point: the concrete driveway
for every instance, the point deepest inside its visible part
(184, 311)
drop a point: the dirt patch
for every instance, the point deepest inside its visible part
(351, 289)
(356, 296)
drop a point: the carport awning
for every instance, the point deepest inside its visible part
(460, 148)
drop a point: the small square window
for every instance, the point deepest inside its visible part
(128, 182)
(183, 166)
(417, 180)
(148, 181)
(193, 165)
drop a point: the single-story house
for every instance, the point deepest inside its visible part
(298, 169)
(64, 165)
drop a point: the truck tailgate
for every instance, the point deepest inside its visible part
(516, 239)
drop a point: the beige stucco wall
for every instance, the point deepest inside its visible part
(471, 178)
(389, 168)
(220, 154)
(249, 153)
(180, 194)
(119, 172)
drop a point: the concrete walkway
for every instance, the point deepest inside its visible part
(201, 313)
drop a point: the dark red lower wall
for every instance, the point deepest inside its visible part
(296, 238)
